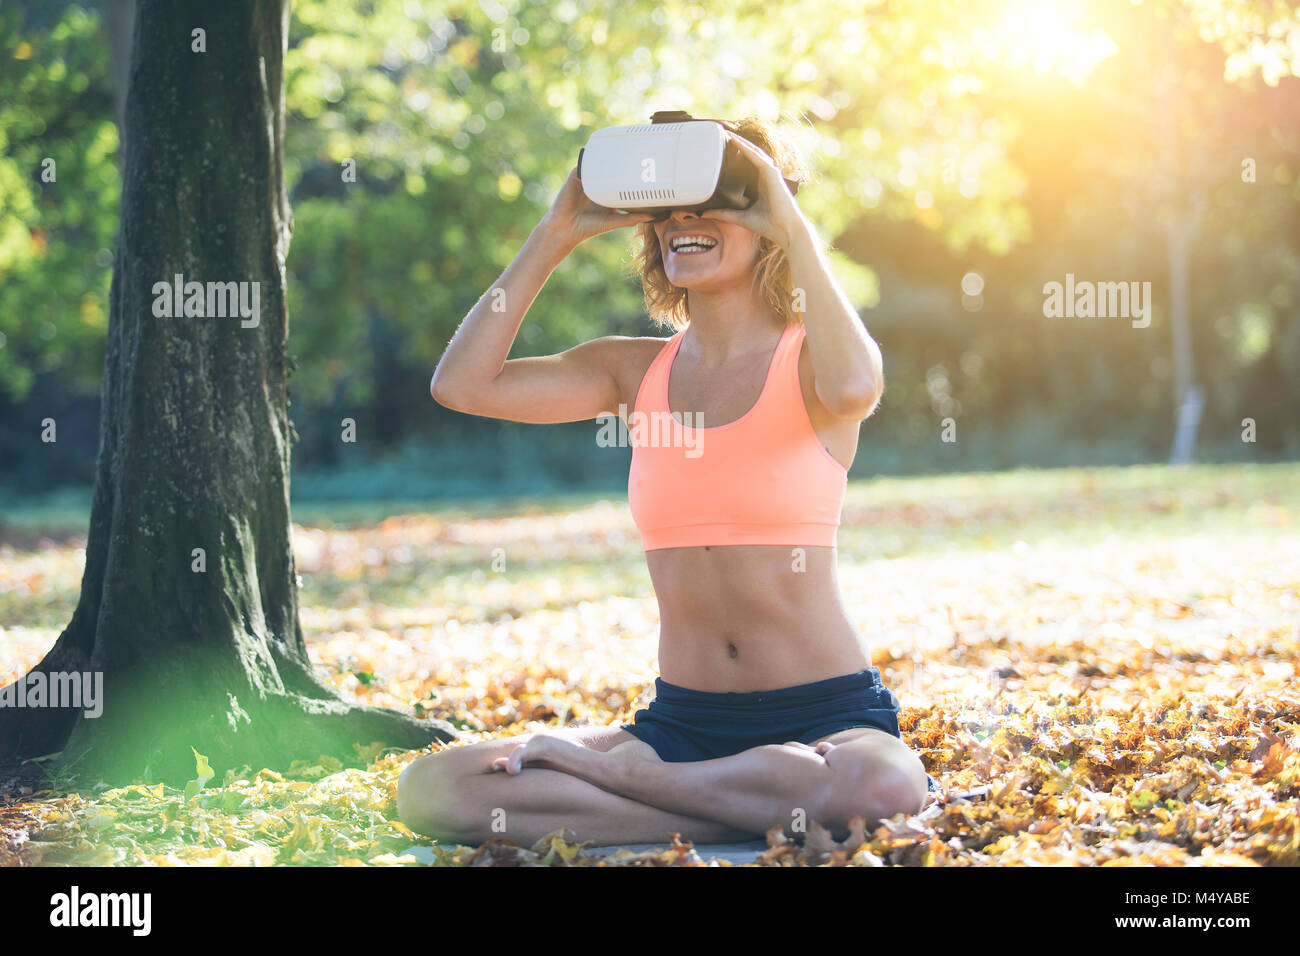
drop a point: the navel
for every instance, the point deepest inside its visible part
(731, 650)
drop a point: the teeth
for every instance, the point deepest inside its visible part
(702, 241)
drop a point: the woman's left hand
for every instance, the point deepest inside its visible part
(774, 213)
(540, 750)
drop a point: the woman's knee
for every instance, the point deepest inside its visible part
(877, 784)
(430, 798)
(438, 794)
(900, 786)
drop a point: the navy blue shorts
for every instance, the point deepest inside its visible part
(686, 725)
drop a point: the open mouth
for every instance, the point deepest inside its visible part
(690, 245)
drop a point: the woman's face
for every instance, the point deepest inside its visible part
(731, 259)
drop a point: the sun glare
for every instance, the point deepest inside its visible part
(1049, 36)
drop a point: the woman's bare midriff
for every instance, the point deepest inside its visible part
(740, 619)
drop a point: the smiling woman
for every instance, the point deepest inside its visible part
(665, 301)
(768, 711)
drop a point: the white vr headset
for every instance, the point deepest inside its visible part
(675, 162)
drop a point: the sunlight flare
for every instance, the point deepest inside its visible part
(1045, 36)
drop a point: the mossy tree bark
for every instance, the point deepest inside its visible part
(195, 441)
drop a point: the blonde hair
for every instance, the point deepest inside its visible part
(665, 302)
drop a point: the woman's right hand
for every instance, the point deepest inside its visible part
(573, 218)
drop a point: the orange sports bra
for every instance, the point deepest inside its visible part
(765, 478)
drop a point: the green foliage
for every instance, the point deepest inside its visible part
(55, 237)
(945, 137)
(441, 110)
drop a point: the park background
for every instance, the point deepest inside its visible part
(1018, 142)
(1108, 653)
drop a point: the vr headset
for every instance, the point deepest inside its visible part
(675, 162)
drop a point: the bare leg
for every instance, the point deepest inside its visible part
(858, 772)
(456, 797)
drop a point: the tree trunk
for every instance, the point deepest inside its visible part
(1188, 397)
(195, 441)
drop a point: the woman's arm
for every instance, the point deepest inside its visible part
(474, 375)
(848, 373)
(847, 370)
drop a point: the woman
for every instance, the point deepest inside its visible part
(767, 711)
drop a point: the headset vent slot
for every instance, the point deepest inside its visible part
(630, 194)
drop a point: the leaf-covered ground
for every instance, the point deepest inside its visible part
(1105, 659)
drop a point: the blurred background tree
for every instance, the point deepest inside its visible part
(965, 153)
